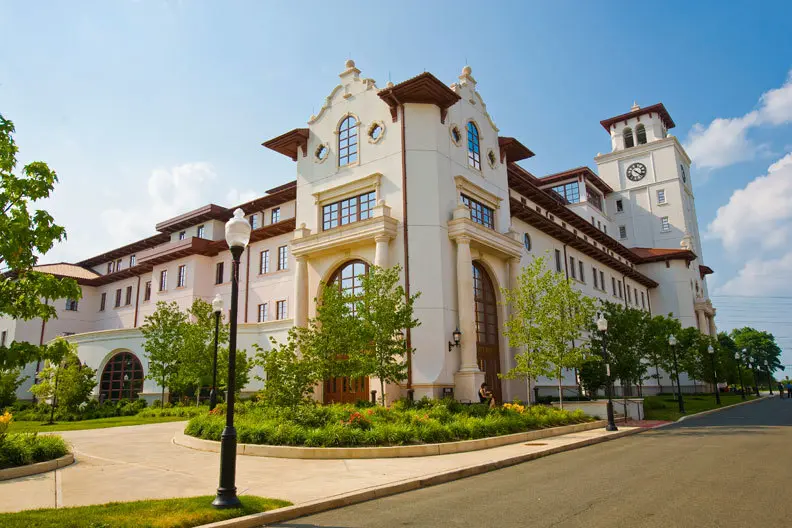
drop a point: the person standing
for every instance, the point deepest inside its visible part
(780, 390)
(789, 389)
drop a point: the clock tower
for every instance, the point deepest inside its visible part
(652, 204)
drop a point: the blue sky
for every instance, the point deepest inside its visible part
(150, 108)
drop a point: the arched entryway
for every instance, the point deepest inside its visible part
(487, 330)
(122, 378)
(349, 279)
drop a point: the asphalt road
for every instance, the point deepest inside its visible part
(732, 468)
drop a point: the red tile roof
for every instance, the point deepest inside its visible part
(660, 254)
(656, 108)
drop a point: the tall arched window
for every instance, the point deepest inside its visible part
(348, 141)
(474, 149)
(122, 378)
(640, 134)
(349, 279)
(628, 138)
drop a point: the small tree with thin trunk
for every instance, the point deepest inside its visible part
(163, 333)
(67, 383)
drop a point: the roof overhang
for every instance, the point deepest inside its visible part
(656, 108)
(129, 249)
(196, 216)
(290, 143)
(647, 255)
(422, 89)
(511, 150)
(586, 173)
(705, 270)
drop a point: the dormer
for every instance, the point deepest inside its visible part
(638, 127)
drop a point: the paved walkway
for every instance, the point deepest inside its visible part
(141, 462)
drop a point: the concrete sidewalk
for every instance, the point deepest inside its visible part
(141, 462)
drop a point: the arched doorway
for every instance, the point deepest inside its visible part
(349, 279)
(487, 330)
(122, 378)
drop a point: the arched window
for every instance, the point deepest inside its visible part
(349, 279)
(640, 134)
(474, 149)
(628, 138)
(122, 378)
(347, 141)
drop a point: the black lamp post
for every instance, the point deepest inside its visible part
(672, 341)
(714, 374)
(237, 232)
(769, 378)
(738, 358)
(602, 326)
(217, 307)
(457, 336)
(752, 366)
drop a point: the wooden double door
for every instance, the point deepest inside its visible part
(346, 390)
(487, 330)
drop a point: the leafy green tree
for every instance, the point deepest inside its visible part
(593, 375)
(24, 235)
(197, 354)
(163, 333)
(243, 367)
(547, 321)
(383, 314)
(726, 350)
(10, 381)
(760, 347)
(67, 383)
(657, 350)
(288, 378)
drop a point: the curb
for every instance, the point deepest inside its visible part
(718, 409)
(347, 499)
(335, 453)
(38, 467)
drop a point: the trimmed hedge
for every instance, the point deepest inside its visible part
(28, 448)
(427, 421)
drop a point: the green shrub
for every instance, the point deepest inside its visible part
(28, 448)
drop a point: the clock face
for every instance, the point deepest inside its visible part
(636, 171)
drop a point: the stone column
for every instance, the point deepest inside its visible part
(703, 326)
(469, 378)
(301, 292)
(713, 331)
(381, 251)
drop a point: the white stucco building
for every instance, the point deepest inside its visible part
(416, 174)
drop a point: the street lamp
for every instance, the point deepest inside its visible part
(457, 336)
(672, 341)
(714, 374)
(217, 308)
(602, 326)
(769, 379)
(738, 358)
(237, 234)
(752, 366)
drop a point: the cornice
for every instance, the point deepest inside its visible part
(483, 238)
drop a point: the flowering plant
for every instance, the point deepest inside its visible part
(516, 407)
(5, 421)
(357, 420)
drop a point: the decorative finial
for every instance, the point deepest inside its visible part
(634, 107)
(349, 64)
(467, 70)
(389, 85)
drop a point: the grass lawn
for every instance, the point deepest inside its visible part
(168, 513)
(39, 426)
(666, 408)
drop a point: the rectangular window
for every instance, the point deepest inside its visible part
(661, 198)
(102, 302)
(619, 206)
(109, 268)
(569, 192)
(3, 338)
(613, 285)
(593, 222)
(118, 298)
(118, 265)
(643, 301)
(629, 293)
(558, 260)
(605, 229)
(262, 312)
(264, 262)
(219, 273)
(665, 227)
(253, 219)
(182, 278)
(182, 235)
(621, 293)
(582, 271)
(71, 305)
(572, 267)
(147, 291)
(132, 261)
(602, 280)
(594, 275)
(622, 231)
(345, 212)
(283, 258)
(599, 225)
(480, 213)
(275, 218)
(200, 232)
(163, 283)
(282, 312)
(128, 299)
(594, 197)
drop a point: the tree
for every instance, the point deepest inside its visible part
(24, 235)
(67, 383)
(163, 333)
(657, 350)
(593, 375)
(243, 368)
(547, 319)
(726, 350)
(197, 355)
(384, 313)
(289, 378)
(760, 347)
(10, 381)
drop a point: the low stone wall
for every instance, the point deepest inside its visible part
(384, 452)
(38, 467)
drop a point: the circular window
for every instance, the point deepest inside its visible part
(375, 131)
(321, 153)
(527, 241)
(456, 135)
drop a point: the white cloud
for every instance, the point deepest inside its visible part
(759, 216)
(724, 141)
(235, 197)
(760, 277)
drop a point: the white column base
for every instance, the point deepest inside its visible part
(467, 384)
